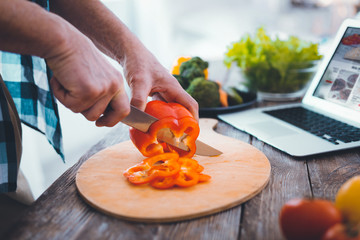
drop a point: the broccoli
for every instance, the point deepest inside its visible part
(205, 92)
(183, 82)
(193, 68)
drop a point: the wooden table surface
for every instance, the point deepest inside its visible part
(60, 213)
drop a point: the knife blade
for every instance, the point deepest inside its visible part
(142, 121)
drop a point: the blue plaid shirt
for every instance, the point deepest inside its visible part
(27, 79)
(8, 154)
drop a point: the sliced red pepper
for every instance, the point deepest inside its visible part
(190, 173)
(139, 174)
(204, 177)
(174, 117)
(187, 178)
(167, 170)
(162, 165)
(163, 182)
(191, 163)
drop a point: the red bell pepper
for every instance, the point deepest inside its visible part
(187, 178)
(173, 116)
(167, 170)
(163, 182)
(159, 166)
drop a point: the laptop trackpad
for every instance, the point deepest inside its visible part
(270, 129)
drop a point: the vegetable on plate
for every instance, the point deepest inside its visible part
(205, 92)
(192, 74)
(273, 65)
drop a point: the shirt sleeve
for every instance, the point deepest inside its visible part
(9, 139)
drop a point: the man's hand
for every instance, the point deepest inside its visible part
(85, 82)
(146, 76)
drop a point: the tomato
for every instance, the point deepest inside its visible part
(341, 232)
(348, 200)
(308, 219)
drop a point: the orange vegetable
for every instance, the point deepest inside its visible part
(187, 178)
(176, 67)
(204, 177)
(167, 170)
(174, 117)
(162, 165)
(223, 96)
(163, 182)
(348, 200)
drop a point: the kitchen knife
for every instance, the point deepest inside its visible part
(142, 121)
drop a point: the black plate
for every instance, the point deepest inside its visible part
(248, 97)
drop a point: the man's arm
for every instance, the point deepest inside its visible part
(27, 28)
(83, 80)
(97, 22)
(143, 72)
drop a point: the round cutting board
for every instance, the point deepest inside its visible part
(237, 175)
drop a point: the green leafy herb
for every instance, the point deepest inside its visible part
(277, 66)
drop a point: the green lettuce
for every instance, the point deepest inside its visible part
(273, 65)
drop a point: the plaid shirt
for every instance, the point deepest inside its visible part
(27, 79)
(8, 154)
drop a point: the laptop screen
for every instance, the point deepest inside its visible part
(340, 82)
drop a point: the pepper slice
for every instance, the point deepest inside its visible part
(187, 178)
(174, 117)
(204, 177)
(191, 164)
(139, 174)
(163, 182)
(189, 172)
(163, 165)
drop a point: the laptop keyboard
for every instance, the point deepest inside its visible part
(327, 128)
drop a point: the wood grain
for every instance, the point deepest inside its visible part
(238, 174)
(289, 179)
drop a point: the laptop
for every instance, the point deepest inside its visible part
(328, 117)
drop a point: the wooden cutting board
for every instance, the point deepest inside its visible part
(238, 174)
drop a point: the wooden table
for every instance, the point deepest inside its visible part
(60, 213)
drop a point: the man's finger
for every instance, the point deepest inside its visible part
(139, 95)
(117, 109)
(74, 103)
(95, 111)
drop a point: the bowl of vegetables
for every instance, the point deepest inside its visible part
(276, 69)
(212, 97)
